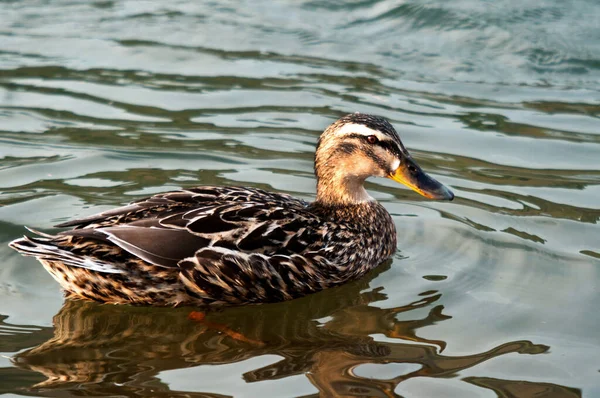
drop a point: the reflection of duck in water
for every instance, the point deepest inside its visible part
(107, 350)
(229, 245)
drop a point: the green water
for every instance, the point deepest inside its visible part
(492, 295)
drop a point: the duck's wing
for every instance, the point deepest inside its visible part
(163, 203)
(167, 228)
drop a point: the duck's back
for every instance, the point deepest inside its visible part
(169, 227)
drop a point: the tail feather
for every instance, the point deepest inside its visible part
(45, 249)
(40, 233)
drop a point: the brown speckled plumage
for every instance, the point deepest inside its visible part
(234, 245)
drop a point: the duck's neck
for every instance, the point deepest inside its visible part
(339, 190)
(336, 185)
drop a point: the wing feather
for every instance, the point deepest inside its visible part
(167, 228)
(191, 199)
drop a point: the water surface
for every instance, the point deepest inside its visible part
(492, 295)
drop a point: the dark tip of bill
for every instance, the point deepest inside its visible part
(445, 194)
(450, 195)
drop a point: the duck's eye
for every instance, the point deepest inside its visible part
(372, 139)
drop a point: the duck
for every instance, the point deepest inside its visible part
(228, 245)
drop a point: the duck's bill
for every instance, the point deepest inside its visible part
(411, 175)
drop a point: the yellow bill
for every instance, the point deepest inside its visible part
(411, 175)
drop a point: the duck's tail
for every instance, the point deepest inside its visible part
(48, 248)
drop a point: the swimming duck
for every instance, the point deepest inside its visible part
(231, 245)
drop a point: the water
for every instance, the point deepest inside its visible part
(492, 295)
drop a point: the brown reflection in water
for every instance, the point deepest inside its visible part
(524, 389)
(118, 350)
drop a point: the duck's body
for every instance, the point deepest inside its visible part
(215, 245)
(230, 245)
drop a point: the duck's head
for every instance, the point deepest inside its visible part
(359, 146)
